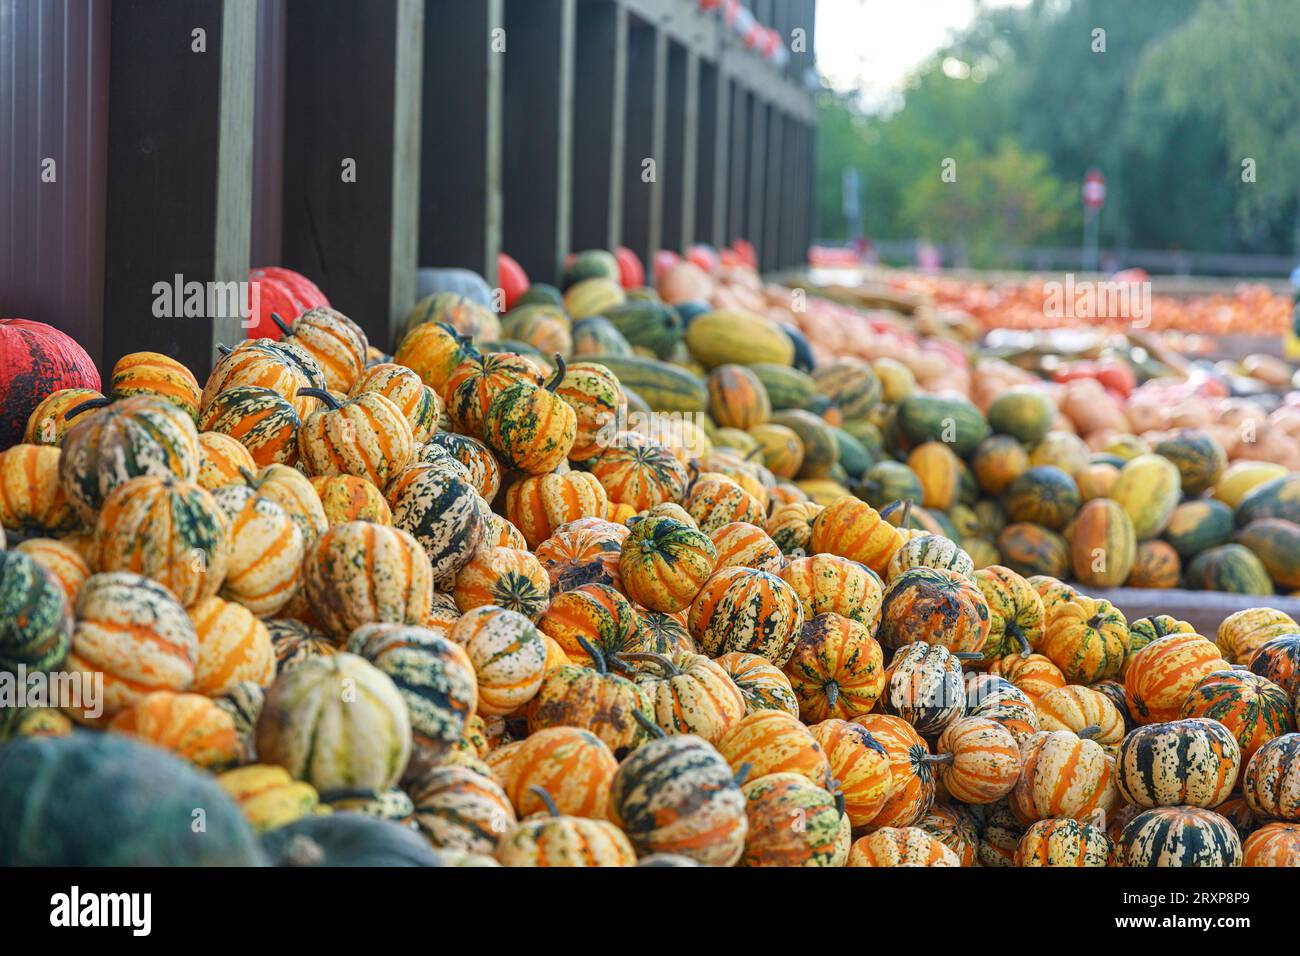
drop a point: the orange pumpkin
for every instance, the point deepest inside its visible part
(911, 770)
(32, 500)
(405, 389)
(936, 606)
(859, 763)
(981, 760)
(1162, 674)
(583, 556)
(573, 765)
(853, 529)
(771, 741)
(639, 472)
(827, 583)
(507, 577)
(189, 725)
(664, 563)
(223, 459)
(347, 498)
(744, 545)
(540, 504)
(1062, 775)
(837, 669)
(234, 646)
(1036, 675)
(597, 614)
(740, 609)
(716, 500)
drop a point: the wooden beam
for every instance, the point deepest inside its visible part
(600, 85)
(777, 176)
(180, 158)
(460, 135)
(738, 167)
(712, 138)
(673, 169)
(537, 169)
(757, 180)
(268, 138)
(647, 85)
(352, 155)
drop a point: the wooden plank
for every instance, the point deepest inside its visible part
(1204, 610)
(352, 163)
(757, 181)
(460, 136)
(673, 169)
(53, 80)
(712, 134)
(600, 85)
(690, 150)
(538, 140)
(179, 173)
(645, 131)
(738, 167)
(268, 139)
(777, 175)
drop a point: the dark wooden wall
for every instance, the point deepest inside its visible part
(174, 160)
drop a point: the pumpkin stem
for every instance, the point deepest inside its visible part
(248, 476)
(616, 662)
(742, 772)
(597, 658)
(669, 667)
(832, 694)
(967, 655)
(1019, 635)
(937, 759)
(558, 377)
(757, 450)
(85, 407)
(839, 803)
(653, 729)
(330, 401)
(542, 794)
(224, 349)
(907, 513)
(1087, 733)
(280, 324)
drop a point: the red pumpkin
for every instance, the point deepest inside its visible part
(283, 292)
(631, 273)
(35, 360)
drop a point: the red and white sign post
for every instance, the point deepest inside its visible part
(1094, 197)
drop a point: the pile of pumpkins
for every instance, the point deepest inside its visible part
(459, 606)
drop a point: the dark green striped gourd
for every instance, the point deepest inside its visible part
(652, 325)
(1197, 526)
(1229, 567)
(432, 674)
(1177, 837)
(35, 621)
(923, 418)
(664, 387)
(786, 387)
(442, 512)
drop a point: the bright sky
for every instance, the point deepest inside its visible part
(871, 45)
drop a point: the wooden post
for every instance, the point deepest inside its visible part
(352, 155)
(647, 84)
(757, 172)
(180, 165)
(777, 179)
(460, 135)
(268, 135)
(713, 136)
(600, 85)
(738, 167)
(680, 154)
(537, 169)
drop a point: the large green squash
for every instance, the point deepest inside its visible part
(347, 839)
(1196, 526)
(735, 337)
(854, 457)
(1276, 543)
(1197, 455)
(850, 384)
(591, 264)
(1044, 495)
(35, 621)
(957, 422)
(651, 325)
(1024, 412)
(888, 481)
(1229, 567)
(92, 799)
(664, 387)
(786, 387)
(820, 449)
(1030, 549)
(1279, 498)
(596, 335)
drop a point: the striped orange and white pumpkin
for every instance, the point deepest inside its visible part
(853, 529)
(367, 436)
(32, 499)
(136, 634)
(508, 654)
(901, 846)
(1062, 775)
(191, 726)
(859, 763)
(365, 573)
(264, 550)
(337, 344)
(234, 646)
(506, 577)
(1162, 674)
(538, 505)
(743, 545)
(981, 760)
(173, 531)
(62, 560)
(571, 764)
(222, 459)
(418, 402)
(347, 498)
(829, 583)
(152, 373)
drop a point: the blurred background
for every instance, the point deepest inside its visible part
(1187, 109)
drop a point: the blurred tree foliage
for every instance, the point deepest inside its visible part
(1027, 99)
